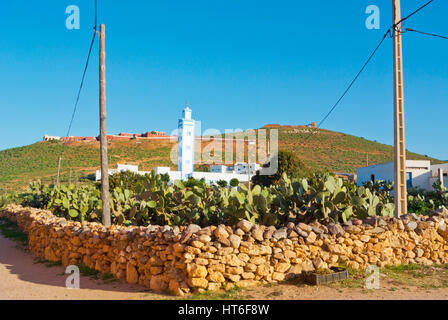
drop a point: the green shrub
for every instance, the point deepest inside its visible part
(234, 182)
(321, 197)
(222, 183)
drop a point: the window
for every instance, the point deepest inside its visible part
(409, 180)
(372, 177)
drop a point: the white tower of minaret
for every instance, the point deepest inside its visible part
(185, 144)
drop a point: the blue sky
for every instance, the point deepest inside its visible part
(240, 64)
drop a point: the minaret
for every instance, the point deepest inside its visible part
(185, 144)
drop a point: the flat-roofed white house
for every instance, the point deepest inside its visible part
(440, 172)
(419, 173)
(120, 168)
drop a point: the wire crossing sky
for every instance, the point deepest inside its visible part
(240, 64)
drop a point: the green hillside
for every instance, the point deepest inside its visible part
(323, 150)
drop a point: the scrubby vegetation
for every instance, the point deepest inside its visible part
(421, 201)
(152, 200)
(324, 151)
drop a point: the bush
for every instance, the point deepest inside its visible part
(288, 163)
(421, 201)
(234, 182)
(222, 183)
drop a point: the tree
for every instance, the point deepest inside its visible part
(234, 182)
(288, 162)
(222, 183)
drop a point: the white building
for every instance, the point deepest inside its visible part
(243, 168)
(238, 168)
(120, 168)
(439, 172)
(49, 138)
(219, 168)
(185, 159)
(185, 144)
(419, 173)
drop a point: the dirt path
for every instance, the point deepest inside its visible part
(21, 277)
(388, 291)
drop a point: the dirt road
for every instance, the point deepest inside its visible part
(21, 277)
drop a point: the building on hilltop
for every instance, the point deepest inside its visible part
(122, 136)
(49, 138)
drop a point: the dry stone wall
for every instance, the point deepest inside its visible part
(180, 260)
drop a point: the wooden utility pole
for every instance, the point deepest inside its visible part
(248, 171)
(59, 171)
(400, 192)
(103, 132)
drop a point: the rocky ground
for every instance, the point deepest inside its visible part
(24, 277)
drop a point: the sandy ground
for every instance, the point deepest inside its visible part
(388, 291)
(21, 277)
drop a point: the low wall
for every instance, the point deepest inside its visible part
(185, 259)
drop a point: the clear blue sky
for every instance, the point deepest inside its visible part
(240, 64)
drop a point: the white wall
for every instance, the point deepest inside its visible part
(215, 176)
(435, 173)
(162, 170)
(420, 170)
(127, 167)
(383, 171)
(218, 168)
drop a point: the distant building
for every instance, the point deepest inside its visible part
(185, 144)
(439, 172)
(419, 173)
(49, 138)
(120, 168)
(122, 136)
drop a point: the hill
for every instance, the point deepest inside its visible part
(324, 150)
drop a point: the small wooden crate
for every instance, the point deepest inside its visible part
(314, 278)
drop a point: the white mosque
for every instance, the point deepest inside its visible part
(185, 160)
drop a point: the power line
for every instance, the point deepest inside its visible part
(80, 88)
(84, 72)
(354, 79)
(82, 83)
(393, 27)
(426, 33)
(352, 82)
(414, 12)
